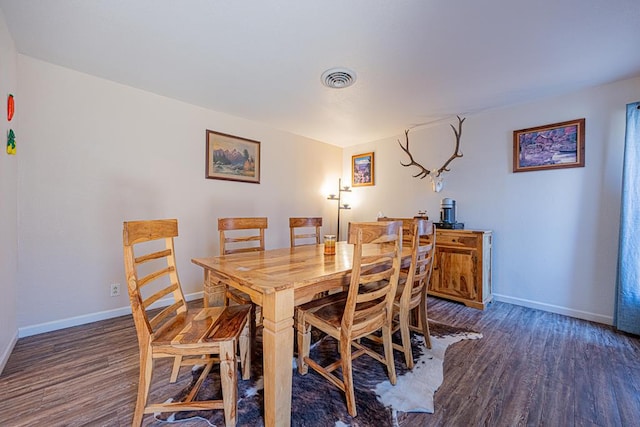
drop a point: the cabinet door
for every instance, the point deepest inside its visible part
(454, 272)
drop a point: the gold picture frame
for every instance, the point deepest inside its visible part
(363, 170)
(232, 158)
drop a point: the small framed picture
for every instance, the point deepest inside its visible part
(554, 146)
(232, 158)
(362, 170)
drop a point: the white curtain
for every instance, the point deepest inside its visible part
(627, 311)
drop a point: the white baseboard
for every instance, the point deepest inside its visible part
(593, 317)
(7, 352)
(55, 325)
(109, 314)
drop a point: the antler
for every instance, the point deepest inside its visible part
(424, 171)
(458, 134)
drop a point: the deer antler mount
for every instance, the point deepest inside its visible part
(434, 174)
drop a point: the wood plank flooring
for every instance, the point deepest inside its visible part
(531, 368)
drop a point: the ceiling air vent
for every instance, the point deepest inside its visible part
(338, 78)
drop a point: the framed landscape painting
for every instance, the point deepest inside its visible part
(362, 170)
(554, 146)
(232, 158)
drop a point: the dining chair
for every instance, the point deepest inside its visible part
(189, 336)
(237, 235)
(354, 314)
(305, 231)
(410, 304)
(411, 293)
(407, 241)
(242, 234)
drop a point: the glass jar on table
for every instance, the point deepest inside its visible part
(330, 244)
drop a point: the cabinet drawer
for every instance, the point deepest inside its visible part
(457, 240)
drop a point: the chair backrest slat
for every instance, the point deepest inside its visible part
(159, 295)
(153, 256)
(166, 313)
(145, 231)
(372, 295)
(155, 276)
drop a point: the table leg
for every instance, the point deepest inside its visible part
(213, 290)
(277, 342)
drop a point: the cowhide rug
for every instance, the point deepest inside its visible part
(316, 402)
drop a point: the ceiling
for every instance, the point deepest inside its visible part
(416, 61)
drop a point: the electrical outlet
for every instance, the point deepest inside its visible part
(115, 289)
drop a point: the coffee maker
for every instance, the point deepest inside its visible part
(448, 215)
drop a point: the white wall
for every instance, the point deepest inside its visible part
(94, 153)
(555, 231)
(8, 197)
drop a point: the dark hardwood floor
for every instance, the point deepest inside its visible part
(531, 368)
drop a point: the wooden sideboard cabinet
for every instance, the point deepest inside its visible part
(462, 267)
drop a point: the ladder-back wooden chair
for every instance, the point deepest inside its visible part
(305, 231)
(352, 315)
(412, 289)
(411, 294)
(239, 235)
(189, 336)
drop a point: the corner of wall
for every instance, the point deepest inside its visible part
(7, 352)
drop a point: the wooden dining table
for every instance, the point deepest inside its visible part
(278, 280)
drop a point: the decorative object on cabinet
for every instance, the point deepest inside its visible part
(448, 215)
(362, 170)
(462, 267)
(554, 146)
(341, 205)
(11, 142)
(435, 175)
(232, 158)
(11, 107)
